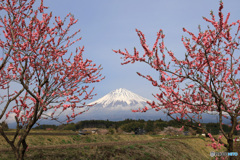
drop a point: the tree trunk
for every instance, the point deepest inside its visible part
(20, 153)
(230, 147)
(23, 150)
(17, 154)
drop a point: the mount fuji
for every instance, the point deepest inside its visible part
(120, 98)
(117, 105)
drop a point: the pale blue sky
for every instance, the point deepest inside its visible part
(111, 24)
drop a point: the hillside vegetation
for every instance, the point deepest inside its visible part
(102, 147)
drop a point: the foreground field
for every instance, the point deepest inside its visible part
(104, 147)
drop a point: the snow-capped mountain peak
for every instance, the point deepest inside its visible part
(121, 97)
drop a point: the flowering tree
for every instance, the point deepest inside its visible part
(38, 79)
(206, 80)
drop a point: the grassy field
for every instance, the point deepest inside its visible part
(104, 147)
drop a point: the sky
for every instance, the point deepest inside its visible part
(110, 24)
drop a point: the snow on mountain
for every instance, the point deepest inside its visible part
(120, 97)
(118, 105)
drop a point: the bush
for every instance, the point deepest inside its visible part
(70, 126)
(4, 126)
(111, 131)
(132, 127)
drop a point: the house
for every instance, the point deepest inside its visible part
(49, 129)
(88, 131)
(84, 132)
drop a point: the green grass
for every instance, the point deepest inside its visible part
(156, 148)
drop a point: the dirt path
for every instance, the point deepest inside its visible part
(99, 144)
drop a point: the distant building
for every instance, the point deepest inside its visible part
(88, 131)
(49, 129)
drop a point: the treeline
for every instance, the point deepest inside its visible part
(130, 125)
(127, 125)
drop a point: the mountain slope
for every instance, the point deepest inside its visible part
(117, 105)
(120, 97)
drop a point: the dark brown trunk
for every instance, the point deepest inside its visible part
(17, 154)
(230, 145)
(230, 148)
(20, 153)
(23, 150)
